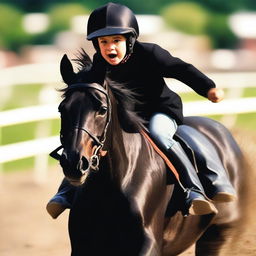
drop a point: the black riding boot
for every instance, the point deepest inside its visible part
(196, 203)
(62, 200)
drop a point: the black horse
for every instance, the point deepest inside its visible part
(122, 200)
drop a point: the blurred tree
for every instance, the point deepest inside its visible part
(188, 17)
(60, 20)
(142, 6)
(219, 31)
(218, 6)
(193, 19)
(12, 34)
(197, 17)
(60, 15)
(33, 5)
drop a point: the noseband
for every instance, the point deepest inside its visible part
(94, 160)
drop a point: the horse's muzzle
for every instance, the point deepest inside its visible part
(74, 167)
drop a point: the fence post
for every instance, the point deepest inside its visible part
(47, 95)
(230, 120)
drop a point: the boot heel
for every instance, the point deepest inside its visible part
(202, 207)
(55, 209)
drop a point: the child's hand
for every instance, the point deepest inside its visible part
(215, 95)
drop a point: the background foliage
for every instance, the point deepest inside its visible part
(12, 34)
(208, 17)
(142, 6)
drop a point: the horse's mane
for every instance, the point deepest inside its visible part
(129, 120)
(126, 100)
(83, 61)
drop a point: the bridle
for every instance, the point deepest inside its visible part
(95, 158)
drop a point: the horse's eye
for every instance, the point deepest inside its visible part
(103, 110)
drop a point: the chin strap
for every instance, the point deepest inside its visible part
(124, 60)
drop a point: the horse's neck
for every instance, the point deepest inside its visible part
(124, 153)
(124, 147)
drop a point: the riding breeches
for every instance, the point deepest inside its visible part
(162, 129)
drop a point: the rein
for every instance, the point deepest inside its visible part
(95, 158)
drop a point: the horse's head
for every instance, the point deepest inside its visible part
(86, 111)
(85, 115)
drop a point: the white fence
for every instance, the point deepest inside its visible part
(49, 73)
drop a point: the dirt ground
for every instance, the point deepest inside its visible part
(26, 229)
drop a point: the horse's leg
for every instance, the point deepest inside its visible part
(153, 229)
(213, 240)
(151, 246)
(181, 233)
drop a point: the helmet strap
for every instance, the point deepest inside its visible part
(130, 41)
(127, 56)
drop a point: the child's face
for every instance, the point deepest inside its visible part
(112, 48)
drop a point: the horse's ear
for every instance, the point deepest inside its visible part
(66, 70)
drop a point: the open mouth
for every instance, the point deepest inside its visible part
(112, 56)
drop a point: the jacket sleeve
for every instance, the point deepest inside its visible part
(173, 67)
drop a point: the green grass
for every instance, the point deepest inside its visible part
(24, 132)
(246, 122)
(249, 92)
(24, 95)
(24, 164)
(188, 97)
(19, 165)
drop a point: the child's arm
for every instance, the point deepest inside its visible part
(174, 67)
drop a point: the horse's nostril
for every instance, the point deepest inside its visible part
(85, 163)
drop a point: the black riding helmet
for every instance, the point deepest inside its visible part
(113, 19)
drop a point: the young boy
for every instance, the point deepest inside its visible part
(114, 30)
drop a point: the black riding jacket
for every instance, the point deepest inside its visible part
(144, 73)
